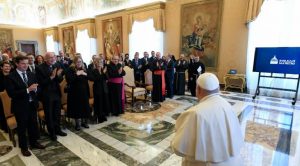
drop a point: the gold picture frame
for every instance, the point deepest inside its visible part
(112, 37)
(69, 46)
(6, 41)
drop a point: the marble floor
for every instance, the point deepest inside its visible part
(271, 128)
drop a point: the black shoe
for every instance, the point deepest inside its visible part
(25, 152)
(61, 133)
(37, 146)
(85, 125)
(77, 127)
(53, 137)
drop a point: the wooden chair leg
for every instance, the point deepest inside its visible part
(12, 136)
(40, 124)
(132, 100)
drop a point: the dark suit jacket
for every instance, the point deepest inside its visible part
(136, 65)
(170, 69)
(145, 64)
(48, 86)
(17, 91)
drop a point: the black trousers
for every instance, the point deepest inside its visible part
(27, 120)
(193, 84)
(52, 109)
(169, 86)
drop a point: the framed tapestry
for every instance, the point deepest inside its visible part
(200, 31)
(6, 41)
(112, 37)
(68, 41)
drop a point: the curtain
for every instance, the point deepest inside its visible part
(52, 32)
(277, 26)
(51, 45)
(155, 39)
(158, 16)
(89, 26)
(253, 9)
(85, 45)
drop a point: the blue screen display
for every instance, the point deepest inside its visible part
(277, 60)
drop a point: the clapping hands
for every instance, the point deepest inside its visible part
(81, 72)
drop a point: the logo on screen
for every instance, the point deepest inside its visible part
(274, 60)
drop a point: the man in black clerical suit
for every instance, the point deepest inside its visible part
(21, 86)
(49, 75)
(195, 69)
(179, 83)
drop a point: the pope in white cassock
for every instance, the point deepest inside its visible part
(209, 133)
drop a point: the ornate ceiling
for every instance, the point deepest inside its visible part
(43, 13)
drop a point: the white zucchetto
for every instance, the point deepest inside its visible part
(208, 81)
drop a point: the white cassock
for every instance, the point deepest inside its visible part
(209, 134)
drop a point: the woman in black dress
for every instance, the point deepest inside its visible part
(78, 93)
(5, 70)
(101, 99)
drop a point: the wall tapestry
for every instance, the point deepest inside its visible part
(112, 37)
(200, 31)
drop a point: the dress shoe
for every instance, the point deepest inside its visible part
(25, 152)
(61, 133)
(38, 146)
(53, 137)
(77, 127)
(85, 125)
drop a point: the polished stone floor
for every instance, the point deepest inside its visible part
(271, 127)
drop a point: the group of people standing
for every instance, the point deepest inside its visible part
(31, 80)
(28, 84)
(169, 76)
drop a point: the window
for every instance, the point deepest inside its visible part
(144, 37)
(51, 45)
(85, 45)
(276, 26)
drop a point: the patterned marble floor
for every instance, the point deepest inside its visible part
(271, 128)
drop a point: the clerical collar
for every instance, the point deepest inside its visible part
(209, 96)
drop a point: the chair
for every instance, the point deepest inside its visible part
(41, 116)
(148, 80)
(130, 88)
(91, 99)
(63, 100)
(10, 118)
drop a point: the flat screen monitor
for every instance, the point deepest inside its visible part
(277, 60)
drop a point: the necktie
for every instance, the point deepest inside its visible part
(25, 78)
(32, 68)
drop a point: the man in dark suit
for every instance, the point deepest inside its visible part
(145, 65)
(21, 86)
(136, 64)
(152, 58)
(64, 61)
(49, 75)
(170, 76)
(31, 65)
